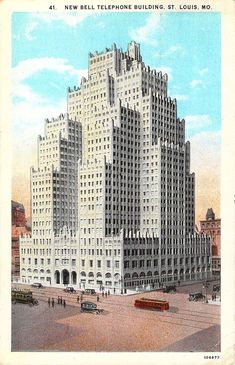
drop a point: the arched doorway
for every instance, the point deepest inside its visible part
(65, 277)
(74, 277)
(57, 277)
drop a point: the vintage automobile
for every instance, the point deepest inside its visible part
(194, 297)
(70, 289)
(169, 289)
(216, 287)
(23, 296)
(37, 285)
(90, 307)
(89, 291)
(156, 304)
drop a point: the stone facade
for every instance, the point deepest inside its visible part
(130, 220)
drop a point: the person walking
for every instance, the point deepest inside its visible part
(114, 290)
(49, 302)
(102, 293)
(64, 303)
(52, 302)
(58, 300)
(106, 294)
(78, 298)
(98, 298)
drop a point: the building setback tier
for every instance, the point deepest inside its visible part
(113, 197)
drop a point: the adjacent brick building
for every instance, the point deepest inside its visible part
(18, 228)
(212, 227)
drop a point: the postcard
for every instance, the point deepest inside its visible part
(117, 182)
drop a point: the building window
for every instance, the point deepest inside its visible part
(108, 263)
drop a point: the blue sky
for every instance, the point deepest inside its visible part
(50, 53)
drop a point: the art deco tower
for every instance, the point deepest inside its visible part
(135, 207)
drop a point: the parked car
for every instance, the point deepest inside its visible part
(169, 289)
(70, 289)
(23, 296)
(196, 296)
(90, 308)
(37, 285)
(89, 291)
(216, 287)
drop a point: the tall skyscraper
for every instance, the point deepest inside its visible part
(113, 198)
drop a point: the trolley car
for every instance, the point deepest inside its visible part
(23, 296)
(156, 304)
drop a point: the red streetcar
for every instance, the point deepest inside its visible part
(152, 304)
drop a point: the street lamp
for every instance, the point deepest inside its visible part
(205, 286)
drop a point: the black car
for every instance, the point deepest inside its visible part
(89, 291)
(216, 287)
(90, 308)
(70, 289)
(196, 296)
(169, 289)
(37, 285)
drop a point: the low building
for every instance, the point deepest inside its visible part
(211, 226)
(18, 229)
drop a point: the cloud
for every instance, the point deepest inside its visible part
(180, 97)
(206, 146)
(147, 33)
(195, 83)
(203, 71)
(29, 67)
(70, 19)
(197, 121)
(29, 30)
(170, 51)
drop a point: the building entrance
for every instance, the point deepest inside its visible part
(65, 277)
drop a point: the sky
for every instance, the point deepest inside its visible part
(50, 53)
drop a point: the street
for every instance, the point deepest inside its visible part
(186, 326)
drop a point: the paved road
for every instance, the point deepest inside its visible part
(122, 327)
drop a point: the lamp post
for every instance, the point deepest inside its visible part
(205, 286)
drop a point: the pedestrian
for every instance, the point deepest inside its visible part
(49, 302)
(98, 298)
(61, 300)
(108, 292)
(102, 293)
(215, 296)
(64, 303)
(78, 298)
(52, 302)
(58, 300)
(114, 290)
